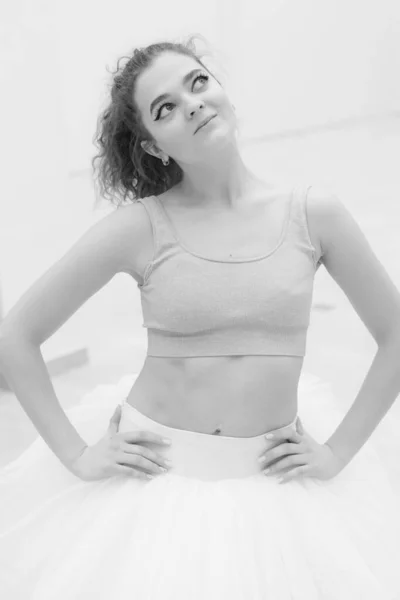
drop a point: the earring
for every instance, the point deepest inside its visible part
(166, 162)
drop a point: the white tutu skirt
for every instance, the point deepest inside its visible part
(214, 527)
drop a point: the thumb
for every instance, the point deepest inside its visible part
(115, 419)
(299, 426)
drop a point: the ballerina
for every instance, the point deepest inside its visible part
(222, 470)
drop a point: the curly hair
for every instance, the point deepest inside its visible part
(126, 171)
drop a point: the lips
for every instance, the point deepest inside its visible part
(205, 122)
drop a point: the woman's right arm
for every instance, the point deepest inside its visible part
(107, 248)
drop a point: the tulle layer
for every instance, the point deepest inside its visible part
(237, 535)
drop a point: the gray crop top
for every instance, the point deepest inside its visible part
(197, 306)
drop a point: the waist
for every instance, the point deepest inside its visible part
(201, 455)
(242, 396)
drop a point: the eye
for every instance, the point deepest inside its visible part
(201, 76)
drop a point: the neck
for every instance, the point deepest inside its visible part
(221, 184)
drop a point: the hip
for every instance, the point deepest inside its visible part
(199, 455)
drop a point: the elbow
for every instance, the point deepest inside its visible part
(4, 346)
(392, 340)
(4, 343)
(8, 341)
(3, 337)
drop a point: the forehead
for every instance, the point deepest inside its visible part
(163, 76)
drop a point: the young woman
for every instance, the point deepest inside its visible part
(100, 506)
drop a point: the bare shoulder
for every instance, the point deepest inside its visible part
(322, 204)
(330, 219)
(132, 228)
(130, 219)
(350, 259)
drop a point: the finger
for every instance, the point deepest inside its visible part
(136, 437)
(115, 419)
(299, 426)
(288, 462)
(278, 451)
(137, 460)
(292, 474)
(158, 459)
(132, 472)
(289, 434)
(267, 458)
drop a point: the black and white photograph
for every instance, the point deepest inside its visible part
(200, 300)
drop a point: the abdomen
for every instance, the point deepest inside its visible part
(242, 395)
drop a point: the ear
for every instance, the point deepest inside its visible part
(150, 149)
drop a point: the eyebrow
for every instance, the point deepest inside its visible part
(163, 96)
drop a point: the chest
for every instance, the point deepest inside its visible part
(230, 234)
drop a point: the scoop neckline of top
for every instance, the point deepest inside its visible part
(231, 260)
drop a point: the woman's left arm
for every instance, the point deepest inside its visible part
(351, 262)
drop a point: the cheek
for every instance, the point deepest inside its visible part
(177, 137)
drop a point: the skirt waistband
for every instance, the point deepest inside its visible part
(201, 455)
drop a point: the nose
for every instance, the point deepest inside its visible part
(199, 108)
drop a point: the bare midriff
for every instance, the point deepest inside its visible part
(237, 396)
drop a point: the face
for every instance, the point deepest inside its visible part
(173, 120)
